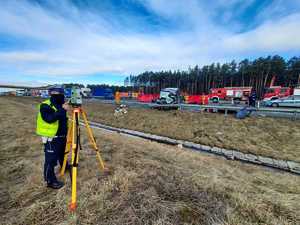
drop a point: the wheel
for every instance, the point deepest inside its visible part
(274, 105)
(215, 100)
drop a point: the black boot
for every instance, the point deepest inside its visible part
(55, 185)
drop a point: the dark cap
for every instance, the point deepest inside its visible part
(56, 90)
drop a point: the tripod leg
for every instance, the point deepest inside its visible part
(75, 146)
(68, 149)
(92, 140)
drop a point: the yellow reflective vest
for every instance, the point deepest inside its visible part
(42, 127)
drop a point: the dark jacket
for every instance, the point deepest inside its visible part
(50, 116)
(253, 96)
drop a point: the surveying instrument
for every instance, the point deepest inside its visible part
(73, 144)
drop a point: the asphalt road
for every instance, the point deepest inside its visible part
(292, 113)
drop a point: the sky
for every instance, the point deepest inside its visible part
(103, 41)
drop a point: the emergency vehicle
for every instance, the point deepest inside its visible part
(230, 93)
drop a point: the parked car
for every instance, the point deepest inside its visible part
(290, 101)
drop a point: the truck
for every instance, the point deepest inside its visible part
(44, 93)
(276, 92)
(169, 96)
(229, 93)
(86, 92)
(105, 93)
(20, 92)
(283, 97)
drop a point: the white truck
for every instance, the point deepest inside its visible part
(86, 92)
(20, 92)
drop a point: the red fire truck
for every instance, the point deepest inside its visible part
(230, 93)
(275, 92)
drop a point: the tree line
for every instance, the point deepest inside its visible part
(256, 73)
(114, 88)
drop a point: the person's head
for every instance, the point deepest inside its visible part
(57, 95)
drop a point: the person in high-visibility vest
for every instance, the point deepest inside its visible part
(52, 126)
(117, 97)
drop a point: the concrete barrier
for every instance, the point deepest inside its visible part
(284, 165)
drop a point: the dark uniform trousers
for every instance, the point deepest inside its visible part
(54, 151)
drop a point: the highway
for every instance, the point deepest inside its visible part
(292, 113)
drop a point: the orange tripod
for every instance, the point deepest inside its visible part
(72, 147)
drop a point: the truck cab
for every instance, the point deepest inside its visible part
(169, 96)
(86, 92)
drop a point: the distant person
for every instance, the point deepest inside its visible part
(118, 98)
(252, 98)
(52, 126)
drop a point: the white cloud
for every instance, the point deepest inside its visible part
(271, 36)
(81, 42)
(278, 9)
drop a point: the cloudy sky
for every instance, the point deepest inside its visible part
(103, 41)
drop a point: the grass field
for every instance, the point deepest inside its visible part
(273, 137)
(148, 183)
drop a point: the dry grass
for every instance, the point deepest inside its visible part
(149, 183)
(273, 137)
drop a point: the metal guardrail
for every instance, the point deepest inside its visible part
(262, 111)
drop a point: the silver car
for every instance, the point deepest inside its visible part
(290, 101)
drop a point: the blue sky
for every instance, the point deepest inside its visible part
(103, 41)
